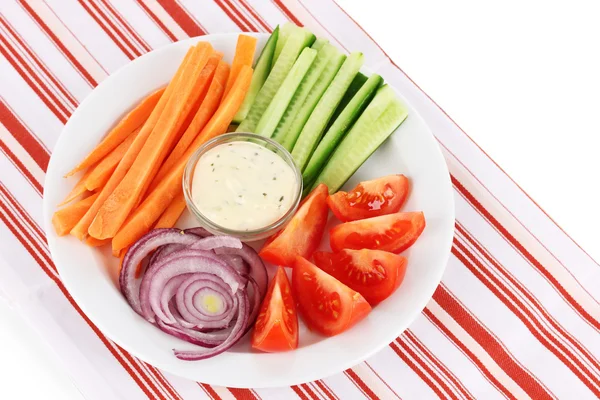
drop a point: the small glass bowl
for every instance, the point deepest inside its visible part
(251, 235)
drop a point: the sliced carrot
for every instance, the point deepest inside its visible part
(101, 173)
(93, 242)
(78, 190)
(144, 217)
(169, 217)
(66, 218)
(133, 120)
(80, 230)
(244, 56)
(121, 201)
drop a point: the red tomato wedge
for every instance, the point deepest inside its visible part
(373, 198)
(394, 232)
(325, 304)
(302, 235)
(375, 274)
(276, 327)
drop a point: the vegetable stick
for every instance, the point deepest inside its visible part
(134, 119)
(121, 201)
(101, 173)
(93, 242)
(78, 190)
(206, 110)
(80, 230)
(169, 217)
(66, 218)
(244, 55)
(142, 220)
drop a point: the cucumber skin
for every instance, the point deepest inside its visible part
(285, 31)
(358, 81)
(324, 56)
(272, 115)
(364, 136)
(340, 126)
(317, 91)
(259, 76)
(319, 43)
(296, 42)
(312, 131)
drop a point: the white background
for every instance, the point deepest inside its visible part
(521, 77)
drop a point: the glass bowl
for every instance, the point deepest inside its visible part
(216, 229)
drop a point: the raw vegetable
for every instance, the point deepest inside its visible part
(244, 55)
(357, 83)
(134, 119)
(78, 190)
(93, 242)
(276, 327)
(169, 217)
(340, 126)
(302, 235)
(272, 115)
(394, 232)
(311, 133)
(66, 218)
(284, 33)
(319, 43)
(261, 72)
(324, 303)
(379, 120)
(375, 274)
(373, 198)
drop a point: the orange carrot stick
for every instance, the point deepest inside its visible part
(93, 242)
(169, 217)
(80, 230)
(101, 173)
(66, 218)
(78, 190)
(142, 220)
(134, 119)
(121, 201)
(244, 55)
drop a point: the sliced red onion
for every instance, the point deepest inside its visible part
(164, 251)
(258, 271)
(168, 293)
(216, 242)
(198, 231)
(237, 262)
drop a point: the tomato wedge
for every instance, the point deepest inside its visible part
(276, 327)
(302, 234)
(394, 232)
(375, 274)
(372, 198)
(326, 304)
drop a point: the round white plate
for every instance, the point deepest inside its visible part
(89, 274)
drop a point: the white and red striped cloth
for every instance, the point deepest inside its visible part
(517, 313)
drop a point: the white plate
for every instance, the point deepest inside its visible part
(89, 274)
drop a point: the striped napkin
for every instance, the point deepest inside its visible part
(516, 316)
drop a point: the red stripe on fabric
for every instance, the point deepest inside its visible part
(40, 63)
(256, 15)
(435, 361)
(44, 93)
(114, 27)
(490, 344)
(544, 337)
(299, 392)
(242, 394)
(32, 224)
(156, 20)
(381, 379)
(232, 17)
(287, 12)
(163, 381)
(126, 25)
(361, 384)
(183, 19)
(59, 45)
(325, 389)
(532, 260)
(22, 169)
(507, 275)
(136, 363)
(26, 139)
(309, 390)
(241, 16)
(209, 390)
(417, 370)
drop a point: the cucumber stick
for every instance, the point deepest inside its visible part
(379, 120)
(317, 122)
(324, 56)
(324, 80)
(261, 71)
(284, 33)
(270, 119)
(340, 126)
(355, 86)
(297, 40)
(319, 43)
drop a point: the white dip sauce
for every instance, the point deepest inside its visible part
(243, 186)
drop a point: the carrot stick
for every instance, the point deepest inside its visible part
(134, 119)
(101, 173)
(93, 242)
(244, 55)
(169, 217)
(80, 230)
(206, 110)
(66, 218)
(121, 201)
(78, 190)
(142, 220)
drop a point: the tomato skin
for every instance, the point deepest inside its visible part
(302, 235)
(325, 304)
(382, 196)
(393, 233)
(375, 274)
(276, 327)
